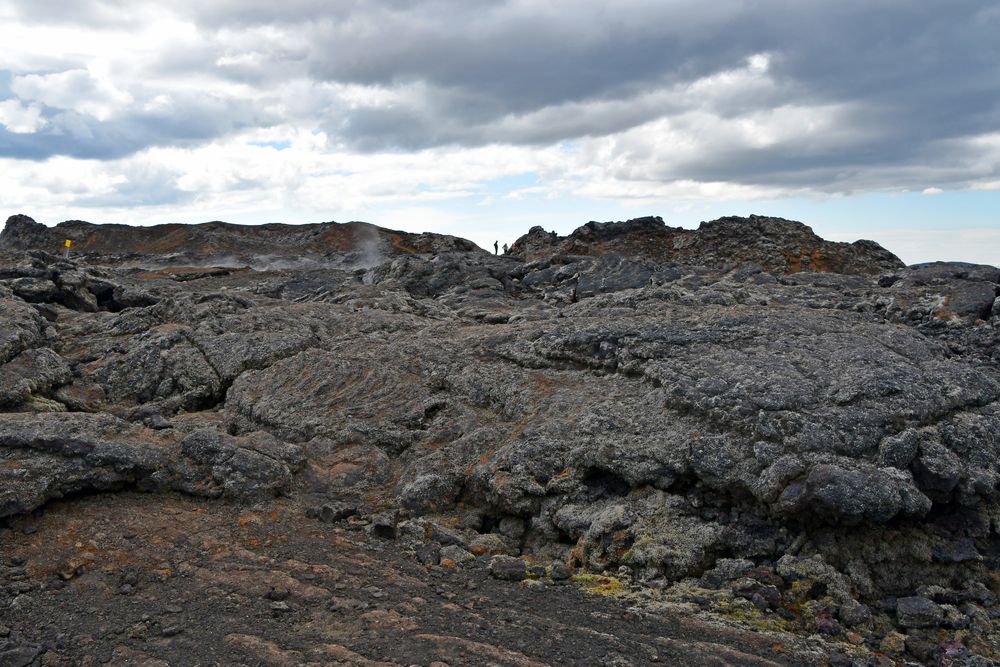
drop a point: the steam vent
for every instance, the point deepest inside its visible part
(338, 444)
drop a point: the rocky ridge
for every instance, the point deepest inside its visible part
(781, 433)
(774, 244)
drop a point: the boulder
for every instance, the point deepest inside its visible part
(918, 612)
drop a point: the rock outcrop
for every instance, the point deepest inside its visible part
(352, 244)
(743, 417)
(774, 244)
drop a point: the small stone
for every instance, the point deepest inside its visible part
(918, 612)
(126, 589)
(445, 536)
(23, 587)
(508, 568)
(766, 597)
(490, 543)
(280, 607)
(457, 554)
(953, 652)
(536, 571)
(346, 604)
(332, 513)
(953, 617)
(173, 609)
(893, 643)
(956, 551)
(786, 614)
(21, 655)
(921, 647)
(429, 554)
(745, 587)
(741, 604)
(853, 613)
(438, 663)
(171, 631)
(825, 623)
(888, 604)
(840, 660)
(277, 594)
(158, 423)
(4, 631)
(560, 571)
(137, 631)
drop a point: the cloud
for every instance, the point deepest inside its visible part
(165, 120)
(78, 12)
(77, 89)
(143, 184)
(642, 101)
(17, 118)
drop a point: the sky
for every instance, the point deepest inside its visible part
(875, 119)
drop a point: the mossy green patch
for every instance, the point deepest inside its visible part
(755, 619)
(42, 404)
(599, 585)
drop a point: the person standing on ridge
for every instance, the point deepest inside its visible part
(496, 247)
(505, 248)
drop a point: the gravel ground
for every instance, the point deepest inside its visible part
(133, 579)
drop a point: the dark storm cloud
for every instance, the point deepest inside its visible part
(918, 78)
(929, 69)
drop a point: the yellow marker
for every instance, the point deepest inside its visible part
(68, 243)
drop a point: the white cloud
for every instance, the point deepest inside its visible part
(21, 119)
(77, 89)
(759, 62)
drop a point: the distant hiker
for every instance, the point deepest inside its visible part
(496, 247)
(505, 248)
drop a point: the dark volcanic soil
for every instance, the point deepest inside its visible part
(132, 578)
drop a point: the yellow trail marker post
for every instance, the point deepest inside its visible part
(68, 244)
